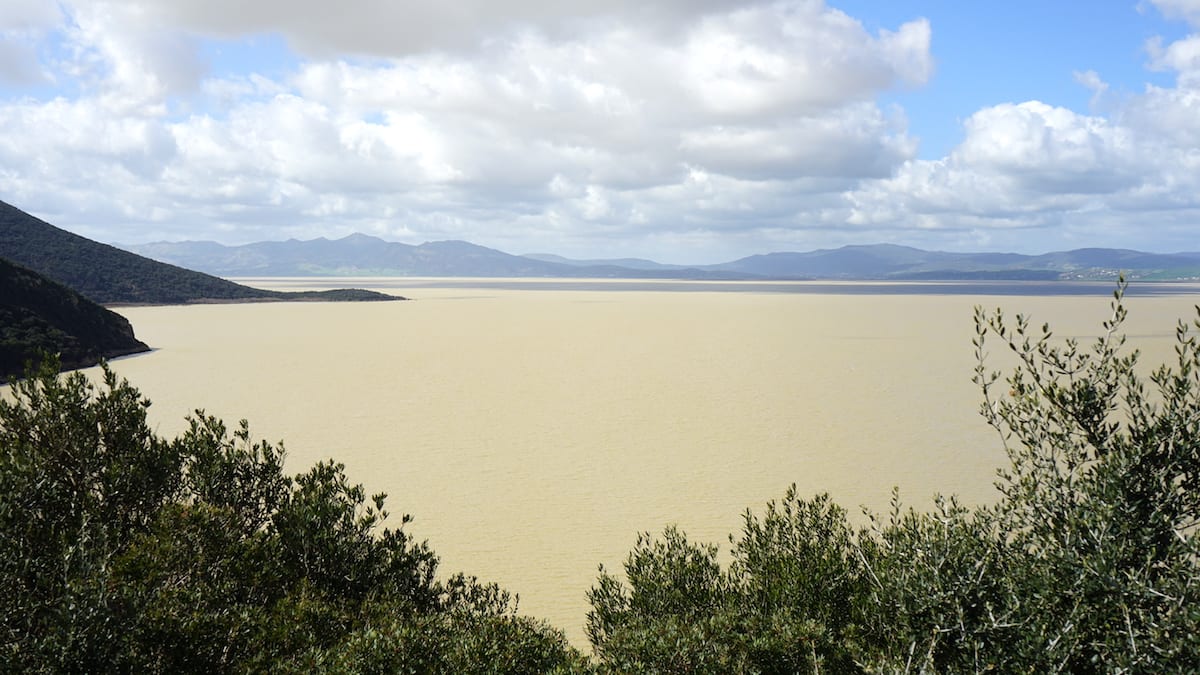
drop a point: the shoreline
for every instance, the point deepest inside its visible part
(810, 287)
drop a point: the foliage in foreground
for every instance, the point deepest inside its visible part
(1088, 562)
(123, 551)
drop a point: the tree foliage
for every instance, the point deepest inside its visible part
(1088, 562)
(1101, 500)
(39, 316)
(123, 551)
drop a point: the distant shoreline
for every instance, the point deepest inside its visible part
(247, 301)
(822, 287)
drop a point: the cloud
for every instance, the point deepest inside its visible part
(29, 15)
(22, 24)
(407, 27)
(796, 58)
(1031, 175)
(1188, 10)
(858, 141)
(652, 122)
(690, 130)
(1022, 158)
(126, 61)
(1181, 56)
(1047, 150)
(19, 63)
(1030, 166)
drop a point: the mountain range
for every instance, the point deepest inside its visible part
(363, 255)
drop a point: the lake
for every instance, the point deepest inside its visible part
(534, 427)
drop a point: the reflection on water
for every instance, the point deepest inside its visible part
(533, 432)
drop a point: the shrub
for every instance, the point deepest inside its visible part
(123, 551)
(1087, 563)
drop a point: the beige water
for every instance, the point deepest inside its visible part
(533, 433)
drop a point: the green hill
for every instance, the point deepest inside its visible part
(39, 315)
(108, 275)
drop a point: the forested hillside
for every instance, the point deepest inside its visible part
(39, 316)
(108, 275)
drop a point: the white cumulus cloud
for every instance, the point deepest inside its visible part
(688, 130)
(503, 122)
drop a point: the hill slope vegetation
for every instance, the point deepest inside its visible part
(39, 316)
(108, 275)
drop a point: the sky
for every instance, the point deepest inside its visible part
(686, 131)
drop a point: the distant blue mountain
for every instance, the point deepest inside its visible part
(848, 261)
(362, 255)
(628, 263)
(355, 255)
(887, 261)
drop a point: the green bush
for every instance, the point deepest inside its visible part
(122, 551)
(1087, 563)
